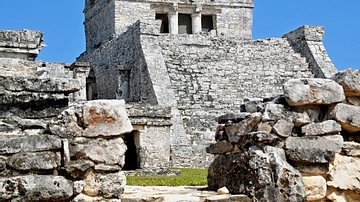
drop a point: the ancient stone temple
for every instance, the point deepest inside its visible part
(196, 57)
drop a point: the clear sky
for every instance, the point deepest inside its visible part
(61, 21)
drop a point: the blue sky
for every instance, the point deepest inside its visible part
(61, 21)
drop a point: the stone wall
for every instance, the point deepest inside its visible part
(302, 145)
(25, 44)
(211, 75)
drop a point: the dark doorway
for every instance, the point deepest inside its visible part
(184, 24)
(164, 22)
(207, 23)
(131, 154)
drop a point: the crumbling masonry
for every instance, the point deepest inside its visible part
(153, 77)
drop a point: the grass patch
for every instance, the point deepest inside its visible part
(188, 177)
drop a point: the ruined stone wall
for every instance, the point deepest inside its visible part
(211, 75)
(300, 146)
(235, 23)
(99, 22)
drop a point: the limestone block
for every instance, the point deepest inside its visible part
(35, 161)
(338, 195)
(92, 119)
(36, 188)
(323, 128)
(253, 105)
(315, 187)
(34, 84)
(351, 148)
(220, 148)
(108, 151)
(311, 168)
(236, 130)
(264, 127)
(78, 168)
(283, 128)
(107, 168)
(105, 118)
(313, 149)
(78, 186)
(348, 116)
(109, 185)
(345, 173)
(11, 145)
(273, 112)
(252, 173)
(300, 118)
(68, 123)
(349, 79)
(300, 92)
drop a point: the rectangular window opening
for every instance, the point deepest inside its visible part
(184, 24)
(164, 22)
(207, 23)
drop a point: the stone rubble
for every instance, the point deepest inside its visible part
(304, 146)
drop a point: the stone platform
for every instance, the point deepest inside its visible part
(177, 194)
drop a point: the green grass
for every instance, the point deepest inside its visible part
(188, 177)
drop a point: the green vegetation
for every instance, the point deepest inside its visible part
(188, 177)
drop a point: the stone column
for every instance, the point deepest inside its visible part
(196, 23)
(173, 22)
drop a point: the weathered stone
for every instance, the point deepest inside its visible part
(323, 128)
(77, 169)
(107, 168)
(273, 112)
(353, 100)
(100, 150)
(263, 137)
(264, 127)
(300, 118)
(26, 123)
(35, 161)
(2, 163)
(351, 148)
(315, 187)
(252, 104)
(105, 118)
(36, 188)
(313, 149)
(11, 145)
(349, 79)
(223, 190)
(67, 124)
(235, 118)
(283, 128)
(106, 185)
(236, 130)
(67, 85)
(345, 173)
(252, 173)
(300, 92)
(92, 119)
(338, 195)
(348, 116)
(220, 148)
(311, 168)
(78, 186)
(6, 127)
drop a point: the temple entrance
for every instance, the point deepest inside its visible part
(184, 24)
(132, 161)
